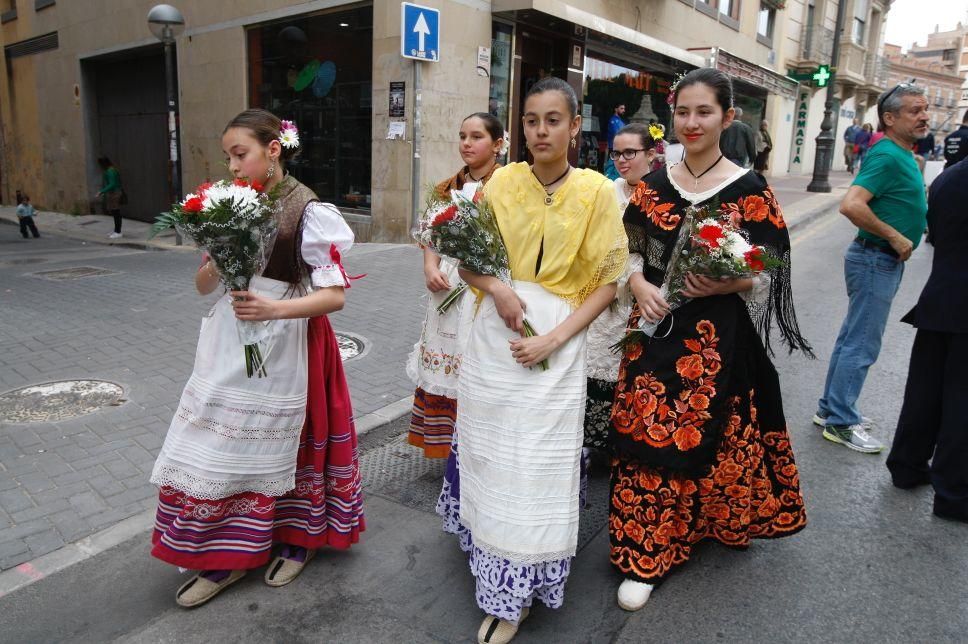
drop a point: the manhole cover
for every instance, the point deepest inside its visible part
(350, 346)
(58, 400)
(77, 272)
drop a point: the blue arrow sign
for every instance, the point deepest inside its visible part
(419, 32)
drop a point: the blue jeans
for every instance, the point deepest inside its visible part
(873, 278)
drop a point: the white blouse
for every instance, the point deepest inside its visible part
(326, 237)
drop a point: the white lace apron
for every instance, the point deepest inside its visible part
(232, 433)
(434, 364)
(520, 436)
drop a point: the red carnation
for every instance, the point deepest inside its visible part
(193, 205)
(754, 259)
(242, 183)
(258, 187)
(447, 215)
(711, 235)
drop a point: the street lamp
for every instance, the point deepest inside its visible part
(166, 23)
(824, 156)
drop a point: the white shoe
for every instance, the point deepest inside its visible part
(115, 236)
(632, 595)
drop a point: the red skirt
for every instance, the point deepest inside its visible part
(432, 423)
(324, 509)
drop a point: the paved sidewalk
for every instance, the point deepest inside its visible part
(137, 326)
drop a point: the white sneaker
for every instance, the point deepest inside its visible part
(632, 595)
(865, 422)
(115, 236)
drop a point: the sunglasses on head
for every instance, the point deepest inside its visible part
(883, 99)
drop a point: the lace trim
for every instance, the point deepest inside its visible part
(295, 410)
(202, 488)
(530, 559)
(696, 197)
(327, 275)
(239, 432)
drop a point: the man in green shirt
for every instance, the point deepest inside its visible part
(887, 204)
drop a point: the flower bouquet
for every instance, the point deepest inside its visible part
(233, 221)
(707, 245)
(465, 229)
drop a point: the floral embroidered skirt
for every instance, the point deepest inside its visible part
(751, 492)
(503, 587)
(598, 413)
(324, 509)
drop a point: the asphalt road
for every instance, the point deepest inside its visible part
(873, 564)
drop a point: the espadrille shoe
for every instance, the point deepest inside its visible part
(198, 590)
(283, 569)
(499, 631)
(633, 595)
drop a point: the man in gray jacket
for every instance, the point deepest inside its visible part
(738, 143)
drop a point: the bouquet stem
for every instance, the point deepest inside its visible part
(529, 332)
(452, 297)
(254, 363)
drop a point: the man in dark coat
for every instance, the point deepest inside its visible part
(934, 419)
(956, 144)
(738, 143)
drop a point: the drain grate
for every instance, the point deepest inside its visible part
(59, 400)
(76, 272)
(399, 472)
(350, 346)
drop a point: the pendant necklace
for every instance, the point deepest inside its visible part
(699, 176)
(548, 196)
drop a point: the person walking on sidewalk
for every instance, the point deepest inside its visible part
(511, 488)
(634, 152)
(886, 202)
(25, 216)
(252, 462)
(850, 137)
(933, 425)
(434, 364)
(700, 444)
(111, 194)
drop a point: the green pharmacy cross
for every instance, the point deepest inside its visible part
(822, 75)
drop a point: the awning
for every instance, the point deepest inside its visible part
(751, 73)
(564, 11)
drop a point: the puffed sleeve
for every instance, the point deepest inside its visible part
(326, 236)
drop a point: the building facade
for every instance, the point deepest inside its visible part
(86, 78)
(941, 85)
(861, 74)
(949, 51)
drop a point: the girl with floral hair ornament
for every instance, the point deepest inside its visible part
(699, 439)
(434, 365)
(250, 463)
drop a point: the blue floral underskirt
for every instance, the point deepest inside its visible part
(504, 588)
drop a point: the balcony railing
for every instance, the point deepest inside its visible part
(876, 70)
(816, 43)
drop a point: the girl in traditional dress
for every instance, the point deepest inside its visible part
(435, 362)
(512, 482)
(633, 153)
(700, 440)
(252, 462)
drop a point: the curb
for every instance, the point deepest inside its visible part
(33, 571)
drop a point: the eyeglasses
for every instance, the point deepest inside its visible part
(627, 154)
(883, 99)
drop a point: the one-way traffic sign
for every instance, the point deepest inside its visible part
(419, 32)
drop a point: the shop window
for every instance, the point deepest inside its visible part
(498, 101)
(317, 71)
(607, 85)
(764, 25)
